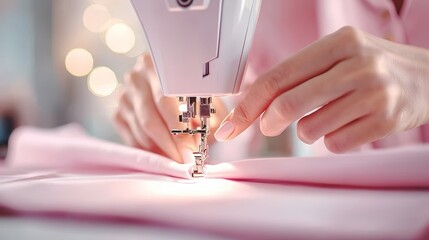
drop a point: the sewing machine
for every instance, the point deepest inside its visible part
(200, 49)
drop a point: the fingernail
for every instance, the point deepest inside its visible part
(187, 156)
(263, 125)
(224, 131)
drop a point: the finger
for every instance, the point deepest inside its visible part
(168, 108)
(216, 118)
(147, 115)
(140, 62)
(302, 99)
(126, 111)
(125, 108)
(124, 131)
(127, 136)
(145, 66)
(363, 130)
(131, 134)
(306, 64)
(333, 116)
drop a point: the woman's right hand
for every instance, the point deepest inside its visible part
(145, 116)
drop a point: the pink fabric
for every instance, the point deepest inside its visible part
(67, 172)
(244, 210)
(286, 26)
(68, 148)
(405, 167)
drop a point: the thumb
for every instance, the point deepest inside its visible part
(256, 101)
(234, 124)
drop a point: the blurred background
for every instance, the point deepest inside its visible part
(62, 61)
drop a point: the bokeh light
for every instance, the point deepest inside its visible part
(96, 18)
(102, 81)
(120, 38)
(79, 62)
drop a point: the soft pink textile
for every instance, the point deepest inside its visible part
(69, 148)
(381, 194)
(286, 26)
(244, 210)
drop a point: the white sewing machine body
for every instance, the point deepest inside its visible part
(199, 47)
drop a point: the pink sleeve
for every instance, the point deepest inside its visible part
(284, 27)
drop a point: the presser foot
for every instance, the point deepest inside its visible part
(200, 157)
(198, 169)
(188, 112)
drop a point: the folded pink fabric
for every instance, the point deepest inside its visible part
(64, 177)
(70, 148)
(402, 167)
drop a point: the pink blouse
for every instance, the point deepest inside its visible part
(286, 26)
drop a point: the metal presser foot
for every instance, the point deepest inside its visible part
(188, 110)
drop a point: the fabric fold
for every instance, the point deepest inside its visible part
(69, 147)
(261, 206)
(393, 168)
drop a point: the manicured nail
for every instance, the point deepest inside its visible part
(224, 131)
(187, 156)
(263, 125)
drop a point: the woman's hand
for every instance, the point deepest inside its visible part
(356, 87)
(145, 117)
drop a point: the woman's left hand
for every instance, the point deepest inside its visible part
(357, 88)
